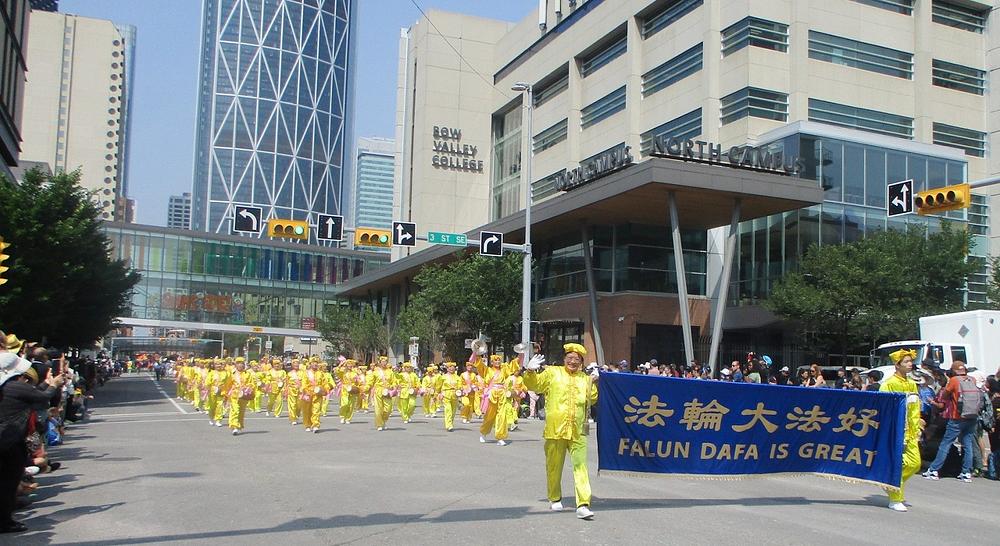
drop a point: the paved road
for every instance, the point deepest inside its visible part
(142, 471)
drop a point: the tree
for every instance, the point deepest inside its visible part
(417, 320)
(875, 289)
(993, 284)
(472, 294)
(64, 287)
(359, 332)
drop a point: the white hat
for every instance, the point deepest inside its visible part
(725, 371)
(12, 365)
(784, 368)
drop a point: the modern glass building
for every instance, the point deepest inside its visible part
(376, 166)
(273, 131)
(203, 281)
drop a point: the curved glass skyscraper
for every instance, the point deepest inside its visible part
(274, 100)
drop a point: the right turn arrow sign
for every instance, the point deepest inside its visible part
(490, 243)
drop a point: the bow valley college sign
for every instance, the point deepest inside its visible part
(451, 154)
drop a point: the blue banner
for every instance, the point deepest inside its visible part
(649, 424)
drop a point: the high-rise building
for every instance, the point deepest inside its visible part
(13, 26)
(273, 109)
(128, 33)
(375, 166)
(45, 5)
(179, 211)
(76, 102)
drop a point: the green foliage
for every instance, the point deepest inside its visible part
(993, 285)
(63, 287)
(359, 332)
(874, 290)
(472, 294)
(416, 319)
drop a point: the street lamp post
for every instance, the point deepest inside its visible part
(525, 88)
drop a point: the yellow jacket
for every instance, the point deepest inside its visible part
(315, 384)
(237, 382)
(382, 381)
(908, 387)
(449, 385)
(216, 381)
(567, 399)
(430, 383)
(408, 384)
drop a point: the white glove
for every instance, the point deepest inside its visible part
(535, 362)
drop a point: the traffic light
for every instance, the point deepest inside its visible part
(288, 229)
(942, 199)
(3, 257)
(381, 238)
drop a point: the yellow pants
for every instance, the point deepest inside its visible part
(347, 403)
(407, 405)
(450, 405)
(428, 404)
(494, 420)
(181, 391)
(324, 404)
(196, 397)
(293, 407)
(365, 400)
(911, 465)
(383, 407)
(237, 411)
(274, 403)
(254, 404)
(215, 407)
(555, 456)
(310, 411)
(467, 403)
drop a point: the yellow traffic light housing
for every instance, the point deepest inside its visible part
(3, 257)
(379, 238)
(942, 199)
(288, 229)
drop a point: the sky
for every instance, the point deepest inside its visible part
(166, 80)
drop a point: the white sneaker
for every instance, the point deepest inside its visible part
(211, 423)
(380, 428)
(556, 506)
(897, 507)
(584, 512)
(482, 440)
(343, 421)
(931, 475)
(308, 429)
(502, 443)
(466, 421)
(236, 432)
(218, 423)
(32, 470)
(315, 430)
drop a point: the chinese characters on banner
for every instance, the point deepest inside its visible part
(684, 426)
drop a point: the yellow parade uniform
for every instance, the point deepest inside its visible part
(428, 385)
(274, 385)
(349, 380)
(214, 382)
(240, 390)
(314, 390)
(568, 397)
(366, 390)
(911, 436)
(516, 391)
(383, 383)
(258, 392)
(293, 389)
(179, 381)
(450, 385)
(493, 395)
(328, 380)
(408, 384)
(472, 385)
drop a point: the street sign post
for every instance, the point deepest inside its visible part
(404, 234)
(247, 219)
(899, 198)
(490, 243)
(451, 239)
(329, 227)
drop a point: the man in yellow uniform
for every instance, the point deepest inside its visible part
(324, 368)
(349, 388)
(408, 384)
(516, 392)
(315, 387)
(254, 369)
(239, 388)
(180, 370)
(901, 382)
(215, 381)
(428, 389)
(471, 384)
(493, 396)
(275, 387)
(293, 390)
(569, 393)
(450, 385)
(365, 386)
(383, 383)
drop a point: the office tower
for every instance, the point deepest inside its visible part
(13, 25)
(273, 109)
(179, 211)
(375, 164)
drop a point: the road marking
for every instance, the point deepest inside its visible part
(145, 414)
(167, 396)
(193, 418)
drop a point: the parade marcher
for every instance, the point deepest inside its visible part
(365, 386)
(293, 390)
(349, 381)
(569, 393)
(314, 390)
(258, 393)
(181, 381)
(407, 383)
(516, 392)
(492, 397)
(471, 385)
(449, 386)
(215, 381)
(428, 389)
(328, 380)
(383, 386)
(240, 390)
(901, 382)
(275, 386)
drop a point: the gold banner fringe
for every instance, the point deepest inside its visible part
(737, 477)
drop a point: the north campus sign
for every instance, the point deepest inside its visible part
(755, 158)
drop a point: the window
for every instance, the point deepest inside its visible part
(860, 118)
(899, 6)
(754, 102)
(973, 142)
(540, 189)
(550, 87)
(683, 127)
(551, 136)
(672, 71)
(837, 50)
(958, 77)
(603, 108)
(752, 31)
(959, 16)
(667, 14)
(604, 55)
